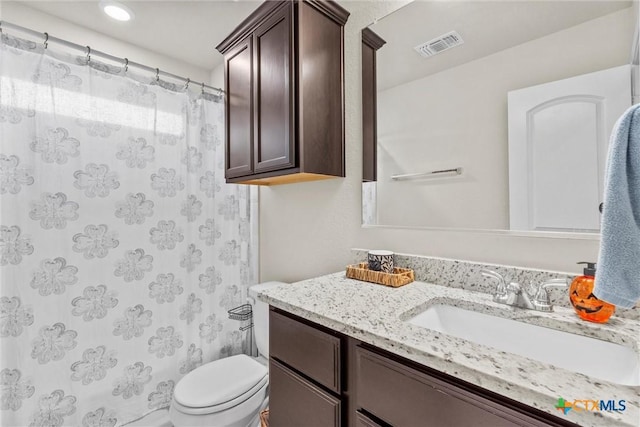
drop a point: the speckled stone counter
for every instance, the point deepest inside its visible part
(375, 314)
(457, 273)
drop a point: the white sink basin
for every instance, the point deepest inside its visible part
(592, 357)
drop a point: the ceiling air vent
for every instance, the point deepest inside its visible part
(439, 44)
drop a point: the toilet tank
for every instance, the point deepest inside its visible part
(261, 317)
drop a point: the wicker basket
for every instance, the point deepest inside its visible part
(399, 277)
(264, 418)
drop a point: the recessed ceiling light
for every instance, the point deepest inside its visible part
(116, 10)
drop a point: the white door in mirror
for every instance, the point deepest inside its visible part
(558, 139)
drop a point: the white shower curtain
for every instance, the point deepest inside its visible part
(121, 248)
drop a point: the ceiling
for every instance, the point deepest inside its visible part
(186, 30)
(485, 26)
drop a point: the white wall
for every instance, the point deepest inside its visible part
(458, 117)
(217, 76)
(36, 20)
(307, 229)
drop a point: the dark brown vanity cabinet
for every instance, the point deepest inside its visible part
(284, 69)
(319, 377)
(305, 374)
(299, 402)
(363, 421)
(371, 42)
(404, 396)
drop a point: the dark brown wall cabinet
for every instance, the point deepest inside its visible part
(284, 85)
(322, 378)
(371, 42)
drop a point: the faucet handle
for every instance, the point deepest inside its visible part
(541, 300)
(500, 293)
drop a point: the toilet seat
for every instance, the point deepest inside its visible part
(220, 408)
(220, 385)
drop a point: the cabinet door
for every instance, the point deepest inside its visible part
(316, 353)
(295, 401)
(364, 421)
(369, 141)
(274, 125)
(239, 101)
(405, 397)
(371, 42)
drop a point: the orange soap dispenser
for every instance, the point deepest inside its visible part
(586, 305)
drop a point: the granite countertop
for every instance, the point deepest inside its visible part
(374, 314)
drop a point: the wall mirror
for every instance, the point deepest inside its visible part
(496, 115)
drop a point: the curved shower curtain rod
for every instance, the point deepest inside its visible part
(46, 39)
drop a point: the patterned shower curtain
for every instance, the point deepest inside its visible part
(121, 248)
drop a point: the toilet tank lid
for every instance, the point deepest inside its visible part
(253, 290)
(220, 381)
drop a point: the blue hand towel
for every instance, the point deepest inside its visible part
(618, 273)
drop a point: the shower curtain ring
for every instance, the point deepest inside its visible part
(88, 54)
(186, 85)
(157, 74)
(46, 40)
(126, 64)
(203, 88)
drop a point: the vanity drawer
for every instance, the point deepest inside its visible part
(307, 349)
(403, 396)
(295, 401)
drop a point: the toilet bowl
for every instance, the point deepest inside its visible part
(228, 392)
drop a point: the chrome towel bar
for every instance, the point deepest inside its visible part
(432, 174)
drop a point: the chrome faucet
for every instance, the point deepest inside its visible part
(515, 295)
(519, 297)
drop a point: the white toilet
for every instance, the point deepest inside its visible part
(228, 392)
